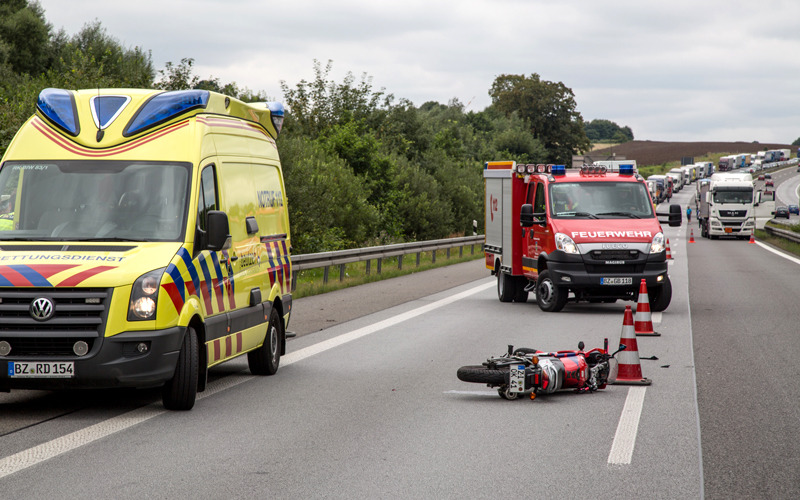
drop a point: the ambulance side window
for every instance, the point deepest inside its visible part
(538, 202)
(207, 202)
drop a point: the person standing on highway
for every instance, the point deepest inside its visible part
(688, 213)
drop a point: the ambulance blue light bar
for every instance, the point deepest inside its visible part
(276, 113)
(58, 105)
(163, 107)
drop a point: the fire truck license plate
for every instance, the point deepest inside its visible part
(516, 378)
(617, 281)
(51, 369)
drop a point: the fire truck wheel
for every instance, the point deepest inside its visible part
(506, 287)
(482, 375)
(660, 297)
(265, 359)
(180, 392)
(550, 297)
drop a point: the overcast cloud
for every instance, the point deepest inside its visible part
(684, 70)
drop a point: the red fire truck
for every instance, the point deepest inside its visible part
(587, 234)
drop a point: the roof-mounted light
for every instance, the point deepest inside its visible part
(521, 168)
(276, 113)
(593, 170)
(626, 169)
(163, 107)
(106, 108)
(58, 105)
(558, 169)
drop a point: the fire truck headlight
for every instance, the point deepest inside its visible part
(565, 243)
(657, 245)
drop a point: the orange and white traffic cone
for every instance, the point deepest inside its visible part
(691, 236)
(630, 369)
(642, 321)
(752, 237)
(669, 252)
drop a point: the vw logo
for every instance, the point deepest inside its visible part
(42, 309)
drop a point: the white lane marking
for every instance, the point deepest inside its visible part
(474, 393)
(37, 454)
(776, 252)
(628, 427)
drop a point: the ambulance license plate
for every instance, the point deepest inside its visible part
(516, 378)
(616, 281)
(50, 369)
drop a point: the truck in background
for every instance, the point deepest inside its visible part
(732, 205)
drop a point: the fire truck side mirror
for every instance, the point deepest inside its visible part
(526, 215)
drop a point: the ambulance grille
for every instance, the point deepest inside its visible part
(79, 314)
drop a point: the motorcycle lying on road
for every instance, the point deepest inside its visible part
(529, 371)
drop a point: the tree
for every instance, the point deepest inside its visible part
(24, 37)
(607, 131)
(796, 142)
(549, 110)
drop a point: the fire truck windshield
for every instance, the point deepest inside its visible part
(97, 200)
(605, 200)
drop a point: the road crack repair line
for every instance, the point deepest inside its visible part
(56, 447)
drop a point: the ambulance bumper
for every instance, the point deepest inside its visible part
(116, 361)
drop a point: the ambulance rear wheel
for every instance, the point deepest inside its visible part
(506, 286)
(180, 392)
(550, 297)
(265, 359)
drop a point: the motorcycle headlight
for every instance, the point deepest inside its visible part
(144, 296)
(657, 245)
(565, 243)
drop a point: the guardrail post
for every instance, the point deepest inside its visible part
(399, 262)
(418, 256)
(368, 266)
(325, 275)
(379, 264)
(433, 257)
(294, 281)
(448, 254)
(341, 271)
(460, 252)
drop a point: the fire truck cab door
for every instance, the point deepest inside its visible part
(534, 235)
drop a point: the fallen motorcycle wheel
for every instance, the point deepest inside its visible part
(483, 375)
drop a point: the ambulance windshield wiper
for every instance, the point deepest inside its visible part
(577, 214)
(623, 214)
(114, 239)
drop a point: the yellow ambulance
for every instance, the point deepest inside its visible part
(144, 238)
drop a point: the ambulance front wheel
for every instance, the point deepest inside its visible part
(550, 297)
(180, 392)
(265, 359)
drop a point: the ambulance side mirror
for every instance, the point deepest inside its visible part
(526, 215)
(219, 235)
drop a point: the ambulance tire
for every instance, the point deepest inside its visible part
(266, 359)
(660, 296)
(550, 297)
(482, 375)
(506, 287)
(180, 392)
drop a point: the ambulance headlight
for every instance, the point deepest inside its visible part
(144, 296)
(565, 243)
(657, 245)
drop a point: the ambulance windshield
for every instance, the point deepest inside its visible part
(603, 200)
(95, 200)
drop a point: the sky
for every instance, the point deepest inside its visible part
(683, 70)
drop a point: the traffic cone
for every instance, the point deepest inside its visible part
(752, 237)
(669, 252)
(630, 370)
(642, 322)
(691, 236)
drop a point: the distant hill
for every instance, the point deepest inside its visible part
(658, 152)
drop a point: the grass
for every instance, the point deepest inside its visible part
(776, 241)
(311, 281)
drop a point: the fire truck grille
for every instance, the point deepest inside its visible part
(614, 254)
(608, 270)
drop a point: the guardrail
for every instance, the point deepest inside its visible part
(343, 257)
(783, 233)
